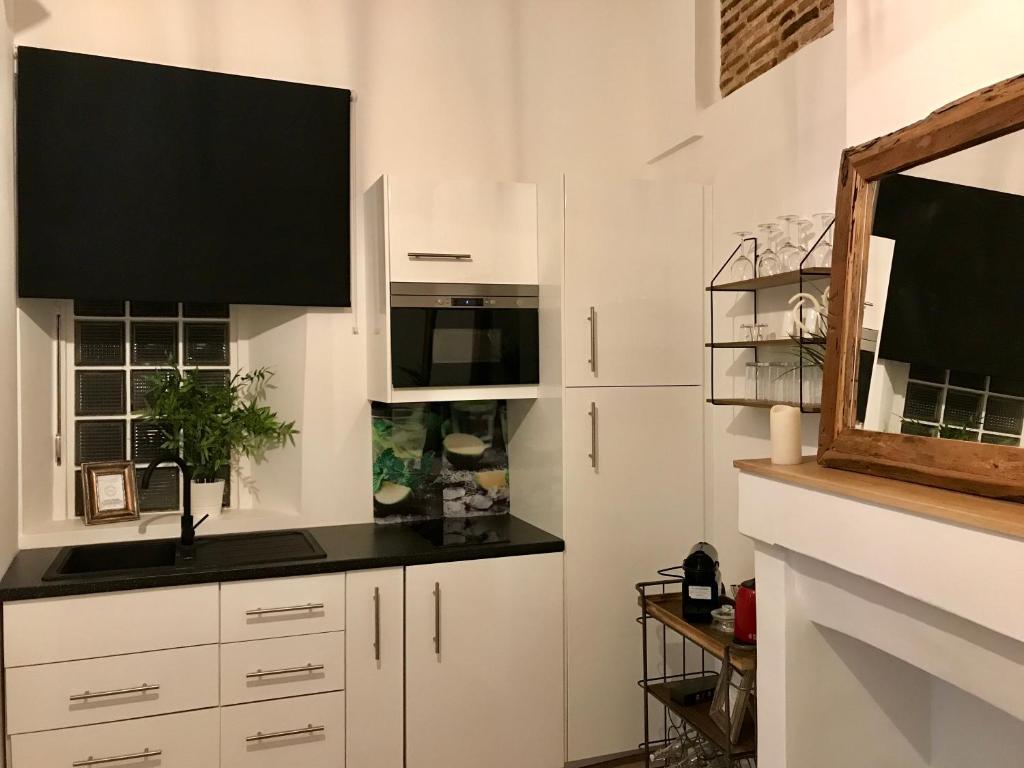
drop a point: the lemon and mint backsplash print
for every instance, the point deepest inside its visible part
(440, 460)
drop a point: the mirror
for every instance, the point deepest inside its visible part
(941, 347)
(924, 360)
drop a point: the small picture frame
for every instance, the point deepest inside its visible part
(735, 688)
(108, 492)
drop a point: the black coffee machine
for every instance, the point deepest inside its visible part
(701, 590)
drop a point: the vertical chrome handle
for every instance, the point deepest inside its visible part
(437, 618)
(593, 436)
(58, 437)
(376, 623)
(592, 319)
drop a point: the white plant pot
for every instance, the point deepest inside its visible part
(207, 498)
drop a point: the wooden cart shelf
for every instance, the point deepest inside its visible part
(668, 609)
(699, 716)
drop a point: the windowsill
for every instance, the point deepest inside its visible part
(61, 533)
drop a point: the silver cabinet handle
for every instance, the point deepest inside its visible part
(285, 609)
(376, 623)
(437, 618)
(143, 755)
(440, 257)
(86, 695)
(309, 729)
(592, 319)
(593, 436)
(58, 438)
(260, 673)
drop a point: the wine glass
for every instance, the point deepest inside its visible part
(789, 255)
(804, 236)
(822, 255)
(767, 261)
(743, 265)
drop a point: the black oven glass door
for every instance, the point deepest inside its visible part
(478, 347)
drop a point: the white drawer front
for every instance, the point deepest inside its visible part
(86, 626)
(40, 697)
(187, 740)
(283, 666)
(307, 731)
(300, 605)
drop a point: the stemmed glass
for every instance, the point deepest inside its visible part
(789, 254)
(743, 265)
(805, 236)
(822, 255)
(767, 261)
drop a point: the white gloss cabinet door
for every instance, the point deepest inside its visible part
(638, 510)
(447, 231)
(634, 298)
(375, 668)
(484, 672)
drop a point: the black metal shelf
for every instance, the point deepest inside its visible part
(773, 281)
(805, 407)
(763, 343)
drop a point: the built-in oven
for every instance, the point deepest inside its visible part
(463, 335)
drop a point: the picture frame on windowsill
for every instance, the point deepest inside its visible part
(109, 494)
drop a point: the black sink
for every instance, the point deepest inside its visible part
(151, 557)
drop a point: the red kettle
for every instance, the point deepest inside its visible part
(746, 614)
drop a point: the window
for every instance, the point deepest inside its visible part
(963, 406)
(117, 347)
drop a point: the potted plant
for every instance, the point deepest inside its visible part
(209, 424)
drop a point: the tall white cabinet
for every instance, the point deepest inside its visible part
(633, 432)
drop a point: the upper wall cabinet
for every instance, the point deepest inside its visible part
(154, 183)
(461, 231)
(633, 282)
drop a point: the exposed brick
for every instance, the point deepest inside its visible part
(758, 34)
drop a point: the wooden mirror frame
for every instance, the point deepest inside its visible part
(979, 468)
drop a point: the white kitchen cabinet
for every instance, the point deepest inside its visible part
(282, 666)
(484, 672)
(634, 504)
(307, 731)
(446, 231)
(375, 668)
(299, 605)
(633, 312)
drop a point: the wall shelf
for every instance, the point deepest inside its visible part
(772, 281)
(805, 407)
(763, 343)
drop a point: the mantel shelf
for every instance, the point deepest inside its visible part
(772, 281)
(994, 515)
(763, 403)
(762, 343)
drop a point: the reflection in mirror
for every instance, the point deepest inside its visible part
(941, 345)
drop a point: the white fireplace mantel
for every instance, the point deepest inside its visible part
(885, 623)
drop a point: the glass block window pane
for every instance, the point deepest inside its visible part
(141, 384)
(913, 428)
(1001, 440)
(99, 343)
(147, 437)
(1013, 387)
(100, 440)
(922, 402)
(99, 393)
(206, 344)
(162, 493)
(966, 380)
(927, 373)
(213, 376)
(154, 343)
(1002, 415)
(962, 409)
(206, 310)
(99, 308)
(153, 309)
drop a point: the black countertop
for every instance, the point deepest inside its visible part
(347, 548)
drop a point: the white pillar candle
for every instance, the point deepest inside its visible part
(785, 421)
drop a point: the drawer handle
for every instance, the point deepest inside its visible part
(285, 609)
(440, 257)
(143, 755)
(259, 673)
(309, 729)
(144, 688)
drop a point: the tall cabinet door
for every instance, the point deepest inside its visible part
(374, 662)
(484, 673)
(633, 282)
(635, 507)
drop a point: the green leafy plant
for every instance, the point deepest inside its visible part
(389, 467)
(207, 424)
